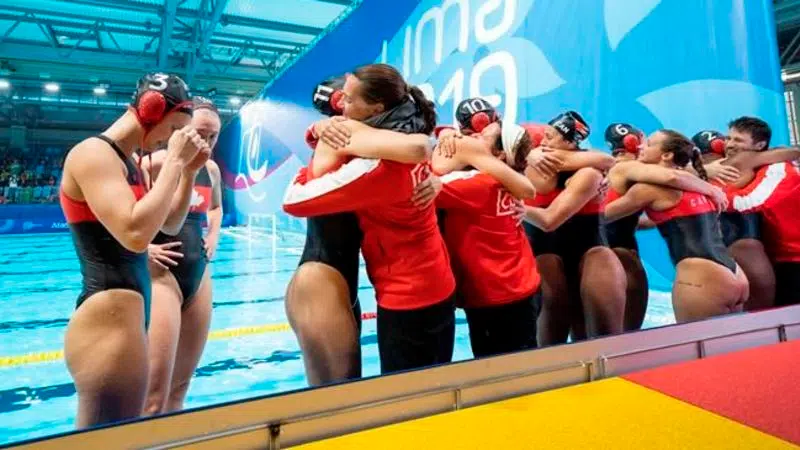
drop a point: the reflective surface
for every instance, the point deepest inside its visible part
(251, 350)
(511, 51)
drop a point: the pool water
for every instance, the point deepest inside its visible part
(39, 282)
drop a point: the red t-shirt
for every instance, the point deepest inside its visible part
(492, 259)
(774, 192)
(406, 257)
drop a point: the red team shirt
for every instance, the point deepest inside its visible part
(774, 193)
(406, 257)
(492, 259)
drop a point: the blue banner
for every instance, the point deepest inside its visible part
(26, 219)
(31, 219)
(686, 65)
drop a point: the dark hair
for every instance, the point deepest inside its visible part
(757, 128)
(383, 84)
(683, 151)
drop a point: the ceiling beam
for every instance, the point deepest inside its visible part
(128, 5)
(167, 23)
(125, 61)
(211, 25)
(206, 33)
(784, 6)
(226, 42)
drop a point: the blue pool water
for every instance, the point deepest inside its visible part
(39, 282)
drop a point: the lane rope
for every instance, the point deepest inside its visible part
(216, 335)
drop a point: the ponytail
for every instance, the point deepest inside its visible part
(697, 163)
(425, 106)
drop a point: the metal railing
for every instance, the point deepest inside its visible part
(281, 421)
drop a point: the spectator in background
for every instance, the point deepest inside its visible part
(3, 187)
(15, 166)
(50, 190)
(37, 190)
(40, 168)
(58, 167)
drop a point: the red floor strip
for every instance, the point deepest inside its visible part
(758, 387)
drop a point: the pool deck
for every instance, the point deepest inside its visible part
(742, 400)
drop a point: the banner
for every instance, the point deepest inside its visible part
(685, 65)
(28, 219)
(16, 219)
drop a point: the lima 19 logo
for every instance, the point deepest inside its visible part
(514, 51)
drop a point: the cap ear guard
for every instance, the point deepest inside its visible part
(151, 108)
(717, 146)
(336, 101)
(158, 94)
(710, 141)
(631, 143)
(479, 121)
(475, 114)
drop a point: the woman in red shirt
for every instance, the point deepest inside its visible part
(494, 266)
(406, 257)
(708, 282)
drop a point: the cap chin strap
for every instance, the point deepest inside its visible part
(510, 135)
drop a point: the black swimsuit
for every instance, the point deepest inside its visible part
(621, 233)
(736, 226)
(335, 240)
(573, 238)
(691, 230)
(105, 263)
(190, 269)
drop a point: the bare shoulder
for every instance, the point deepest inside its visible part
(88, 155)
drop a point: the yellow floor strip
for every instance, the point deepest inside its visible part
(610, 414)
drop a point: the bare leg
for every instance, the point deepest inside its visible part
(195, 322)
(751, 257)
(636, 292)
(704, 289)
(603, 285)
(320, 313)
(553, 323)
(163, 335)
(105, 348)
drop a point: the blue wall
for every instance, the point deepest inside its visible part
(679, 64)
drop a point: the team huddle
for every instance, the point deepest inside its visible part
(530, 234)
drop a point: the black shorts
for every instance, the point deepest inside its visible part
(335, 240)
(787, 283)
(416, 338)
(577, 236)
(736, 226)
(542, 242)
(503, 329)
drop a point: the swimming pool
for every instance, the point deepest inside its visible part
(251, 350)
